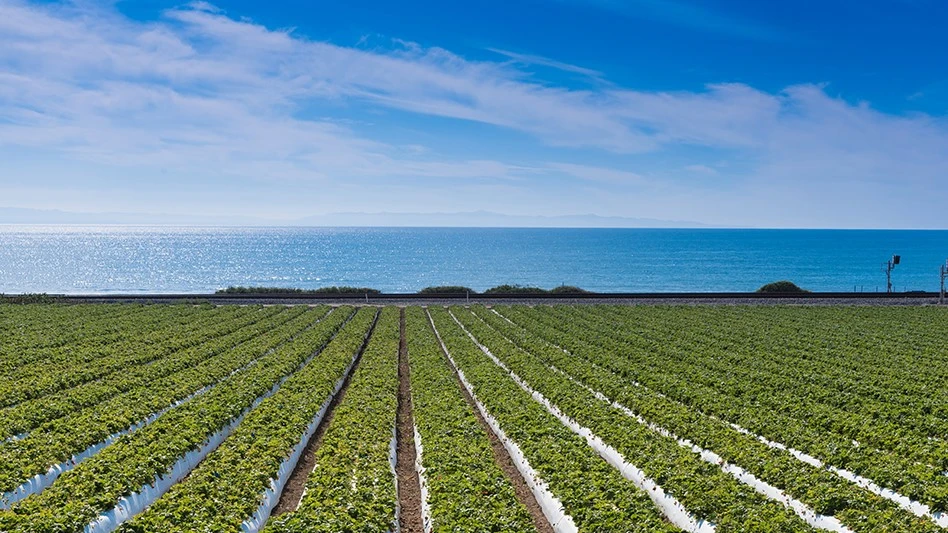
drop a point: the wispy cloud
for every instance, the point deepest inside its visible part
(529, 59)
(200, 91)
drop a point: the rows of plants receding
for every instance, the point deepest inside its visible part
(594, 496)
(140, 459)
(84, 362)
(897, 393)
(600, 369)
(692, 372)
(225, 490)
(59, 440)
(466, 490)
(352, 487)
(181, 354)
(616, 418)
(84, 341)
(30, 330)
(703, 489)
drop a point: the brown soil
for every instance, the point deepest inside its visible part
(503, 460)
(293, 491)
(409, 485)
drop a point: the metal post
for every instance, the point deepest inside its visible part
(888, 276)
(887, 267)
(944, 274)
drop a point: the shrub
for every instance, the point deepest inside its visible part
(346, 290)
(568, 289)
(784, 287)
(27, 298)
(447, 289)
(514, 289)
(288, 290)
(258, 290)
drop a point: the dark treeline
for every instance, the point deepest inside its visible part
(440, 289)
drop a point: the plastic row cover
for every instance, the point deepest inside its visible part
(669, 505)
(423, 482)
(135, 503)
(392, 461)
(41, 482)
(550, 505)
(272, 495)
(915, 507)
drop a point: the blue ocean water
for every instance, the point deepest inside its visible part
(122, 259)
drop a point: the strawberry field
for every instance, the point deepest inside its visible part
(176, 418)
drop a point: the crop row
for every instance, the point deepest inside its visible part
(86, 341)
(821, 491)
(467, 491)
(146, 457)
(352, 487)
(702, 488)
(594, 496)
(226, 489)
(31, 330)
(838, 380)
(88, 364)
(57, 441)
(29, 414)
(684, 376)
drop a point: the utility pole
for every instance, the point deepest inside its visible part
(888, 267)
(944, 274)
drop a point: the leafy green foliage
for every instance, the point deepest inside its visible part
(447, 289)
(514, 289)
(569, 289)
(858, 388)
(467, 490)
(240, 470)
(27, 298)
(667, 364)
(352, 487)
(286, 290)
(170, 354)
(593, 493)
(518, 289)
(136, 459)
(705, 490)
(782, 287)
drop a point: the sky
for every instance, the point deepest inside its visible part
(827, 113)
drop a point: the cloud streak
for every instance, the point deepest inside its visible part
(201, 92)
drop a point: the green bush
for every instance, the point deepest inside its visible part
(568, 289)
(258, 290)
(288, 290)
(514, 289)
(447, 289)
(345, 289)
(27, 298)
(783, 287)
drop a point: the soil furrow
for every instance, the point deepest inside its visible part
(409, 484)
(292, 493)
(503, 460)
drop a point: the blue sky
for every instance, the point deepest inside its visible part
(738, 113)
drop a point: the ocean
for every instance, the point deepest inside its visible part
(125, 259)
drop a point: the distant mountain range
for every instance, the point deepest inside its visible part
(17, 215)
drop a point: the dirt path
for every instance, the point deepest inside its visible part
(503, 460)
(409, 485)
(293, 491)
